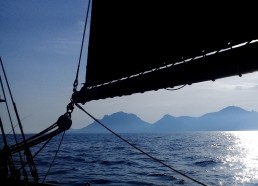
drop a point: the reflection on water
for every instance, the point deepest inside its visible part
(243, 154)
(213, 158)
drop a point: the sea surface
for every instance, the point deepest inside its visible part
(212, 158)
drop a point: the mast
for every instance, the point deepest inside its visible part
(27, 151)
(63, 123)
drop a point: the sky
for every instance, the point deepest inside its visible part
(40, 45)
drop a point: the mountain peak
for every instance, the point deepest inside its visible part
(230, 109)
(167, 116)
(119, 114)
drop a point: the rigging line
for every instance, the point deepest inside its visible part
(35, 142)
(9, 160)
(43, 146)
(14, 105)
(3, 133)
(155, 159)
(32, 138)
(54, 157)
(172, 89)
(10, 118)
(78, 68)
(32, 166)
(40, 134)
(18, 124)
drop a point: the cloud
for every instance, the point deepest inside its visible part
(63, 46)
(236, 83)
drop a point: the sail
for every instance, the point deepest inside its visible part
(149, 46)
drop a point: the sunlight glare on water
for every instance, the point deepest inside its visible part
(214, 158)
(246, 146)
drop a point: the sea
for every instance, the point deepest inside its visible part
(161, 159)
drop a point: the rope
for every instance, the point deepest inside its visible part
(40, 137)
(11, 121)
(14, 105)
(172, 89)
(54, 157)
(43, 146)
(78, 68)
(74, 88)
(18, 124)
(155, 159)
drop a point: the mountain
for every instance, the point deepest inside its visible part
(231, 118)
(169, 123)
(119, 122)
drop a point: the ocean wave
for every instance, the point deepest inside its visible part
(207, 163)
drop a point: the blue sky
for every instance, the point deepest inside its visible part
(40, 45)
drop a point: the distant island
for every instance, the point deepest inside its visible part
(231, 118)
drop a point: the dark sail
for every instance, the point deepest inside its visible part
(150, 46)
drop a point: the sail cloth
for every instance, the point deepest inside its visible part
(153, 45)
